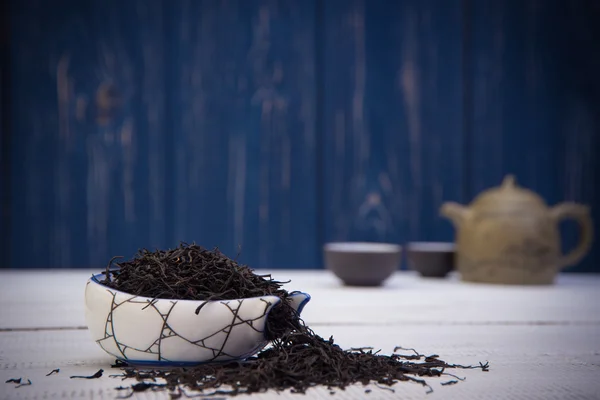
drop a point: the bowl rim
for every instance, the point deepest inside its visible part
(433, 247)
(363, 247)
(94, 279)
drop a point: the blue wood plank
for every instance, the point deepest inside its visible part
(88, 135)
(243, 128)
(4, 133)
(4, 156)
(579, 65)
(515, 110)
(393, 119)
(534, 77)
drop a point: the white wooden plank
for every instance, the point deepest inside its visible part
(533, 362)
(55, 299)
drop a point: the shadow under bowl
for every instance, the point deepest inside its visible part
(362, 263)
(431, 259)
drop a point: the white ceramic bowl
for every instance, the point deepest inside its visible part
(142, 330)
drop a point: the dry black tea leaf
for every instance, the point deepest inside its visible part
(139, 387)
(54, 371)
(452, 382)
(95, 376)
(18, 381)
(24, 384)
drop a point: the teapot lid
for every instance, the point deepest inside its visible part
(508, 192)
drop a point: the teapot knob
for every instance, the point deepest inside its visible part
(509, 181)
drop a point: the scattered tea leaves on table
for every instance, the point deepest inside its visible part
(14, 380)
(95, 376)
(298, 361)
(54, 371)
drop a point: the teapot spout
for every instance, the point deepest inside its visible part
(454, 212)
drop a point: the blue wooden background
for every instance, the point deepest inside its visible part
(268, 127)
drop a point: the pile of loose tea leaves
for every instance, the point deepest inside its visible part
(190, 272)
(297, 357)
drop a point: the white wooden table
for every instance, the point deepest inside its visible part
(541, 342)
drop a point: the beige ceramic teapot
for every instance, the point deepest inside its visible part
(508, 235)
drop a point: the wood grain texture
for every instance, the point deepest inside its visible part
(533, 69)
(243, 128)
(393, 119)
(87, 160)
(542, 343)
(4, 130)
(580, 111)
(277, 125)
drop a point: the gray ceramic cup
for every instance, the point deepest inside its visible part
(362, 263)
(431, 259)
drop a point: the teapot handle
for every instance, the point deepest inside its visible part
(581, 214)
